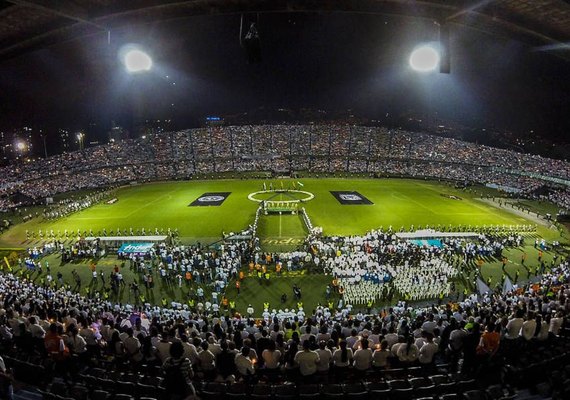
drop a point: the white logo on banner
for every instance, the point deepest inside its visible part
(350, 197)
(210, 199)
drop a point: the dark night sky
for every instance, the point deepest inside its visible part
(325, 61)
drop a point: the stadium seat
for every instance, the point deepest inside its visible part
(333, 389)
(59, 388)
(133, 378)
(261, 396)
(425, 391)
(150, 391)
(261, 391)
(377, 386)
(360, 396)
(236, 391)
(285, 392)
(90, 382)
(236, 396)
(123, 397)
(100, 395)
(449, 396)
(439, 379)
(401, 394)
(467, 385)
(128, 388)
(206, 395)
(445, 388)
(354, 388)
(98, 373)
(399, 384)
(311, 391)
(419, 382)
(48, 395)
(495, 392)
(152, 380)
(106, 384)
(475, 395)
(215, 387)
(79, 392)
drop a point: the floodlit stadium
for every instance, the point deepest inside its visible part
(413, 246)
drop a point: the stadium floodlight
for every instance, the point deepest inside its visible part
(136, 60)
(21, 146)
(80, 139)
(424, 59)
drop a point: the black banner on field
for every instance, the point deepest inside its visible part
(211, 199)
(350, 198)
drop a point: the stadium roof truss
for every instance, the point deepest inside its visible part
(27, 25)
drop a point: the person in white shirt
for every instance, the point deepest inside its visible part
(307, 334)
(36, 331)
(76, 343)
(528, 327)
(542, 327)
(362, 356)
(556, 323)
(89, 335)
(163, 348)
(514, 326)
(408, 353)
(325, 357)
(132, 347)
(428, 350)
(380, 357)
(190, 351)
(271, 356)
(429, 325)
(213, 346)
(207, 361)
(342, 357)
(307, 360)
(8, 390)
(244, 364)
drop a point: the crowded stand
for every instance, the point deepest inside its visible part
(73, 345)
(319, 149)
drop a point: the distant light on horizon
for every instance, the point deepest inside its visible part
(424, 59)
(137, 61)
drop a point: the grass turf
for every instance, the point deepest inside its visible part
(397, 202)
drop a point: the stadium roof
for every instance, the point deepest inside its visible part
(27, 25)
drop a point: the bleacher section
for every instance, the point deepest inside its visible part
(326, 149)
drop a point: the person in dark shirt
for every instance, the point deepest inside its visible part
(225, 361)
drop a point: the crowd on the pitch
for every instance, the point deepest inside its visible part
(282, 149)
(379, 265)
(69, 206)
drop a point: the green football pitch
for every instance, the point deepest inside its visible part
(166, 205)
(396, 203)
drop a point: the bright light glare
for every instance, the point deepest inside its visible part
(424, 59)
(21, 146)
(137, 61)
